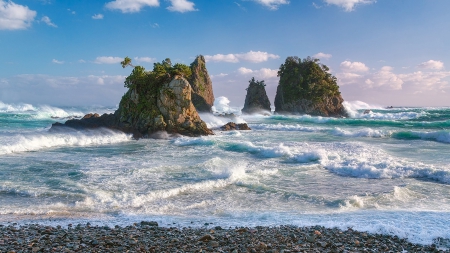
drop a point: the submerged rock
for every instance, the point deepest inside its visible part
(306, 87)
(202, 91)
(233, 126)
(256, 100)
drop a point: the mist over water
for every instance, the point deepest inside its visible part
(382, 171)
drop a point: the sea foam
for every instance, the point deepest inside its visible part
(37, 141)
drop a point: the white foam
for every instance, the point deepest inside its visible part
(352, 107)
(37, 141)
(221, 105)
(286, 127)
(360, 161)
(364, 132)
(213, 121)
(392, 116)
(192, 141)
(16, 107)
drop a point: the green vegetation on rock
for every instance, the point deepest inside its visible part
(306, 86)
(307, 79)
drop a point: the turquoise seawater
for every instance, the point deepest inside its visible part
(383, 170)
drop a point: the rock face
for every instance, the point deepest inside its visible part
(202, 91)
(143, 112)
(256, 99)
(306, 87)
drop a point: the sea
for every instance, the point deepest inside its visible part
(381, 170)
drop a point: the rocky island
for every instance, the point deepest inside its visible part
(306, 87)
(256, 100)
(158, 100)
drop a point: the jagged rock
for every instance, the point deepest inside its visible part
(202, 91)
(306, 87)
(178, 112)
(91, 115)
(233, 126)
(256, 100)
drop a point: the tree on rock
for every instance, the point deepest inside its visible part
(306, 87)
(256, 100)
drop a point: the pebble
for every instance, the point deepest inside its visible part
(147, 236)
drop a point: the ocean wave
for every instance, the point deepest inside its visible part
(442, 136)
(9, 108)
(392, 116)
(353, 160)
(193, 141)
(285, 127)
(365, 132)
(37, 141)
(262, 151)
(221, 174)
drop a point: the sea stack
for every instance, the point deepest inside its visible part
(306, 87)
(158, 100)
(202, 91)
(256, 100)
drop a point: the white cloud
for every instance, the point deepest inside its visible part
(98, 16)
(130, 6)
(108, 60)
(426, 80)
(181, 6)
(349, 5)
(219, 75)
(244, 71)
(144, 59)
(431, 64)
(322, 56)
(14, 16)
(348, 78)
(386, 78)
(251, 56)
(81, 61)
(47, 20)
(347, 66)
(57, 62)
(272, 4)
(263, 73)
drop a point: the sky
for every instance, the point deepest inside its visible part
(68, 53)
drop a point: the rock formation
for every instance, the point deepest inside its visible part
(256, 99)
(202, 92)
(306, 87)
(233, 126)
(156, 101)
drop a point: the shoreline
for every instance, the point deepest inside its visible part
(147, 236)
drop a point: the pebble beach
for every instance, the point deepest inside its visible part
(147, 236)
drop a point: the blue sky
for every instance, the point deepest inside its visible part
(385, 52)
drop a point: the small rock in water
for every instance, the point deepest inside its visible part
(149, 223)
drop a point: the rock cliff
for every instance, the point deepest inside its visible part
(159, 100)
(306, 87)
(256, 100)
(202, 91)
